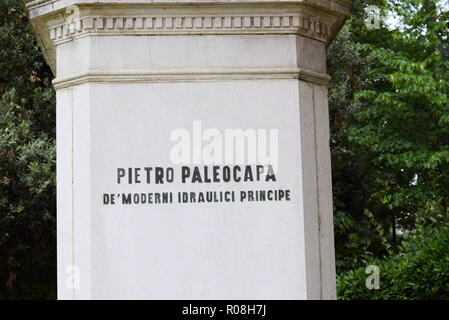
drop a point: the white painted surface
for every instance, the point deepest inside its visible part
(196, 251)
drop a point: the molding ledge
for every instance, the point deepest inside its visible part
(122, 76)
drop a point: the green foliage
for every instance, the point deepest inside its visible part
(361, 224)
(389, 106)
(420, 271)
(400, 118)
(27, 162)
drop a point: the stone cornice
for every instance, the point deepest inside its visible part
(59, 21)
(42, 7)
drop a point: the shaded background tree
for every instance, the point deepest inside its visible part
(27, 162)
(389, 116)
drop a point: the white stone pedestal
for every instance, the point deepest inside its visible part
(128, 75)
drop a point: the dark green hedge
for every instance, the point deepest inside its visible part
(419, 271)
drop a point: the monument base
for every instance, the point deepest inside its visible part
(193, 148)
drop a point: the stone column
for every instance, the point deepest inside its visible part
(133, 76)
